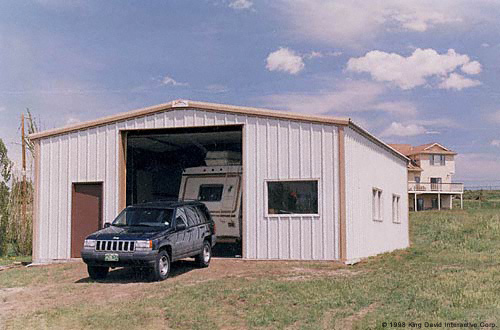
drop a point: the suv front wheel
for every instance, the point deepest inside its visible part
(161, 268)
(203, 259)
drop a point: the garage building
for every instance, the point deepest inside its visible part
(312, 188)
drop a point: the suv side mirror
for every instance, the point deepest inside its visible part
(106, 225)
(179, 224)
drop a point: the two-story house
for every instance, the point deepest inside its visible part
(430, 174)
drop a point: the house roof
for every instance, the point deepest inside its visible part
(414, 168)
(428, 148)
(215, 107)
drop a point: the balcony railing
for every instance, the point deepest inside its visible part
(435, 187)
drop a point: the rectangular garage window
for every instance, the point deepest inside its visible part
(395, 209)
(292, 197)
(210, 192)
(377, 204)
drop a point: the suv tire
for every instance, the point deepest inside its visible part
(203, 259)
(161, 268)
(97, 272)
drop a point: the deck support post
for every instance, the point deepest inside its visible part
(461, 201)
(415, 202)
(439, 201)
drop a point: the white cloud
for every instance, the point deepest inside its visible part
(2, 109)
(352, 22)
(458, 82)
(473, 67)
(285, 60)
(171, 81)
(399, 129)
(485, 45)
(414, 70)
(314, 54)
(495, 143)
(241, 4)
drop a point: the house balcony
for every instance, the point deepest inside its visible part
(433, 188)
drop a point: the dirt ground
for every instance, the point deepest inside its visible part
(67, 281)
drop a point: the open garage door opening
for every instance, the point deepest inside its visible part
(203, 163)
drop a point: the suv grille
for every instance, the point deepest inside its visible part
(122, 246)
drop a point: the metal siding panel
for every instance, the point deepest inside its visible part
(140, 122)
(109, 202)
(158, 121)
(92, 155)
(316, 168)
(44, 199)
(199, 118)
(189, 118)
(366, 237)
(53, 219)
(82, 156)
(118, 127)
(261, 142)
(101, 154)
(250, 187)
(150, 121)
(64, 191)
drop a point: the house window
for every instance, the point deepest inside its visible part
(377, 204)
(438, 160)
(417, 179)
(292, 197)
(395, 209)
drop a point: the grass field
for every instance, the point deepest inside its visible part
(450, 273)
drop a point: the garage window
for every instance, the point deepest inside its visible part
(395, 209)
(210, 192)
(292, 197)
(377, 204)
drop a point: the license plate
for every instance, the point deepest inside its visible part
(111, 257)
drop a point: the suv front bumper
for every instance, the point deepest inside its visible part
(125, 259)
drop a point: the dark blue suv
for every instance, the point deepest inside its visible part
(151, 235)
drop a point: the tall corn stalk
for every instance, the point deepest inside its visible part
(19, 231)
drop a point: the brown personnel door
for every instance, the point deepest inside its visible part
(86, 213)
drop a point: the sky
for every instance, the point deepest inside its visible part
(414, 71)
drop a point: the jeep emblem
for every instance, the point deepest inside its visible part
(116, 237)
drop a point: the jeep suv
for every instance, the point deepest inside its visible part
(151, 235)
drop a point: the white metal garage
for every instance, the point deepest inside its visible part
(354, 184)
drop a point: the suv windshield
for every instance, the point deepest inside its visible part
(151, 217)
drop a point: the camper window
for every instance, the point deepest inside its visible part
(292, 197)
(210, 192)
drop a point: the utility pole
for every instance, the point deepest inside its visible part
(23, 194)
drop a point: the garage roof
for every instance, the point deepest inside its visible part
(215, 107)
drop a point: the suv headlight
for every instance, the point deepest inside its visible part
(143, 245)
(89, 243)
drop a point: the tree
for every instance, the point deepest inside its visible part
(5, 175)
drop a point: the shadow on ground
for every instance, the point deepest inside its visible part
(137, 275)
(227, 250)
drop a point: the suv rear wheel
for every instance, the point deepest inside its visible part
(203, 259)
(161, 269)
(97, 272)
